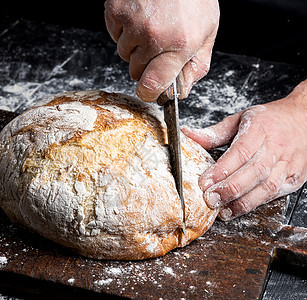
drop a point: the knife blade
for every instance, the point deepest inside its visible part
(171, 117)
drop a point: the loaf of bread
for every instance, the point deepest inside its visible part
(90, 170)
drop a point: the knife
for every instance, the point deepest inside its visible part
(169, 99)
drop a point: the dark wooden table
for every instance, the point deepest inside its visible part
(38, 59)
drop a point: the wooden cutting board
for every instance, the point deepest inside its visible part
(229, 262)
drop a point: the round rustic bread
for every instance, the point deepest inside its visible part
(90, 170)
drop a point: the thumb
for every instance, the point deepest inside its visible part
(217, 135)
(158, 76)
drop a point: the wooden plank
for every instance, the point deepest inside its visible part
(299, 216)
(230, 260)
(293, 286)
(287, 278)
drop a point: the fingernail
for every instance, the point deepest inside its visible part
(192, 130)
(225, 214)
(213, 199)
(184, 128)
(144, 95)
(147, 90)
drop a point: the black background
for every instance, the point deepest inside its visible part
(275, 30)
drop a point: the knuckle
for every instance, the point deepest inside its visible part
(113, 7)
(287, 165)
(233, 190)
(219, 172)
(261, 170)
(244, 207)
(295, 180)
(244, 153)
(151, 31)
(181, 39)
(271, 185)
(255, 111)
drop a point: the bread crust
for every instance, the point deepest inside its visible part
(90, 170)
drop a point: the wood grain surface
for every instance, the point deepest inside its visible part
(230, 261)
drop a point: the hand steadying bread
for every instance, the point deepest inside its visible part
(90, 170)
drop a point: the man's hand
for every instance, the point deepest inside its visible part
(267, 157)
(161, 38)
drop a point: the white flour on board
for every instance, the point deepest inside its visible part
(3, 261)
(19, 96)
(208, 96)
(212, 97)
(155, 271)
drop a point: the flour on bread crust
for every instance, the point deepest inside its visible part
(90, 170)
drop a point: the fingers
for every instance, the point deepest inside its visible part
(266, 160)
(242, 149)
(141, 56)
(154, 69)
(164, 67)
(241, 182)
(215, 136)
(269, 189)
(126, 44)
(159, 75)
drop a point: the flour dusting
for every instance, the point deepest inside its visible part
(103, 281)
(211, 100)
(21, 95)
(169, 270)
(3, 261)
